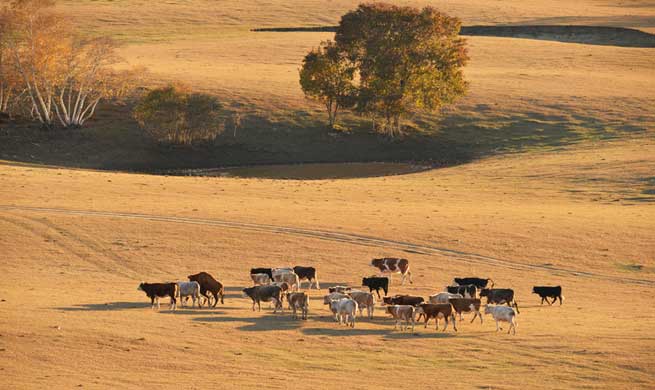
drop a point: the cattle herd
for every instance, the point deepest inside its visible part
(274, 285)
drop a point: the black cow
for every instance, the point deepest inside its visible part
(308, 273)
(154, 291)
(208, 283)
(546, 292)
(467, 291)
(403, 300)
(267, 271)
(267, 293)
(376, 283)
(477, 282)
(500, 296)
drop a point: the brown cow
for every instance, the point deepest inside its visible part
(466, 305)
(402, 300)
(298, 301)
(208, 283)
(433, 310)
(402, 313)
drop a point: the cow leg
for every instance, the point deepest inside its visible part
(152, 303)
(497, 326)
(454, 323)
(560, 300)
(157, 299)
(542, 300)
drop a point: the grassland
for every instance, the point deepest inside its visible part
(559, 188)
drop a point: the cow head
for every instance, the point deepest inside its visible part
(534, 290)
(387, 300)
(247, 292)
(140, 288)
(492, 282)
(488, 309)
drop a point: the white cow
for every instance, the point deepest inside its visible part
(402, 313)
(364, 300)
(504, 314)
(260, 279)
(443, 297)
(290, 278)
(189, 289)
(345, 310)
(280, 271)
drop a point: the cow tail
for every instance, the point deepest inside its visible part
(492, 282)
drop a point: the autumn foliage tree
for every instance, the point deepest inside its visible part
(64, 75)
(327, 76)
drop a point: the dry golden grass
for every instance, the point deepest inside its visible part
(74, 244)
(72, 314)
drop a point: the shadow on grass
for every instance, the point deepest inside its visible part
(110, 306)
(269, 322)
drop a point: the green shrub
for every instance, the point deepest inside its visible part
(174, 115)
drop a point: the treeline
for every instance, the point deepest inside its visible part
(387, 62)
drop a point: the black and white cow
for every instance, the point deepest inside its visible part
(392, 265)
(309, 274)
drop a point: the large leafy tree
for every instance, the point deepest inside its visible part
(408, 60)
(327, 76)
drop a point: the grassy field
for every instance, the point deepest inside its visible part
(549, 179)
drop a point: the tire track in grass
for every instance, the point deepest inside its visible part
(349, 238)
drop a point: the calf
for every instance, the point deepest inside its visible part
(402, 300)
(375, 283)
(189, 289)
(332, 296)
(208, 284)
(154, 291)
(504, 314)
(308, 273)
(345, 310)
(546, 292)
(443, 297)
(433, 310)
(260, 294)
(298, 301)
(392, 265)
(267, 271)
(260, 279)
(477, 282)
(466, 305)
(500, 296)
(467, 291)
(290, 278)
(402, 313)
(364, 300)
(339, 289)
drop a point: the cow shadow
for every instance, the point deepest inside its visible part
(343, 331)
(268, 322)
(109, 306)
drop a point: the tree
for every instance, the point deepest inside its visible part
(176, 116)
(9, 78)
(408, 60)
(64, 75)
(327, 76)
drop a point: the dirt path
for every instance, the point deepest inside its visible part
(350, 238)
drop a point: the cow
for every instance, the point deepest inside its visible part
(391, 265)
(375, 283)
(466, 305)
(298, 301)
(280, 271)
(260, 294)
(345, 310)
(260, 279)
(402, 300)
(466, 291)
(339, 289)
(154, 291)
(546, 292)
(500, 296)
(267, 271)
(189, 289)
(364, 300)
(290, 278)
(402, 313)
(308, 273)
(443, 297)
(433, 310)
(480, 283)
(502, 314)
(208, 284)
(332, 296)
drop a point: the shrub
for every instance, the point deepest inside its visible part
(174, 115)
